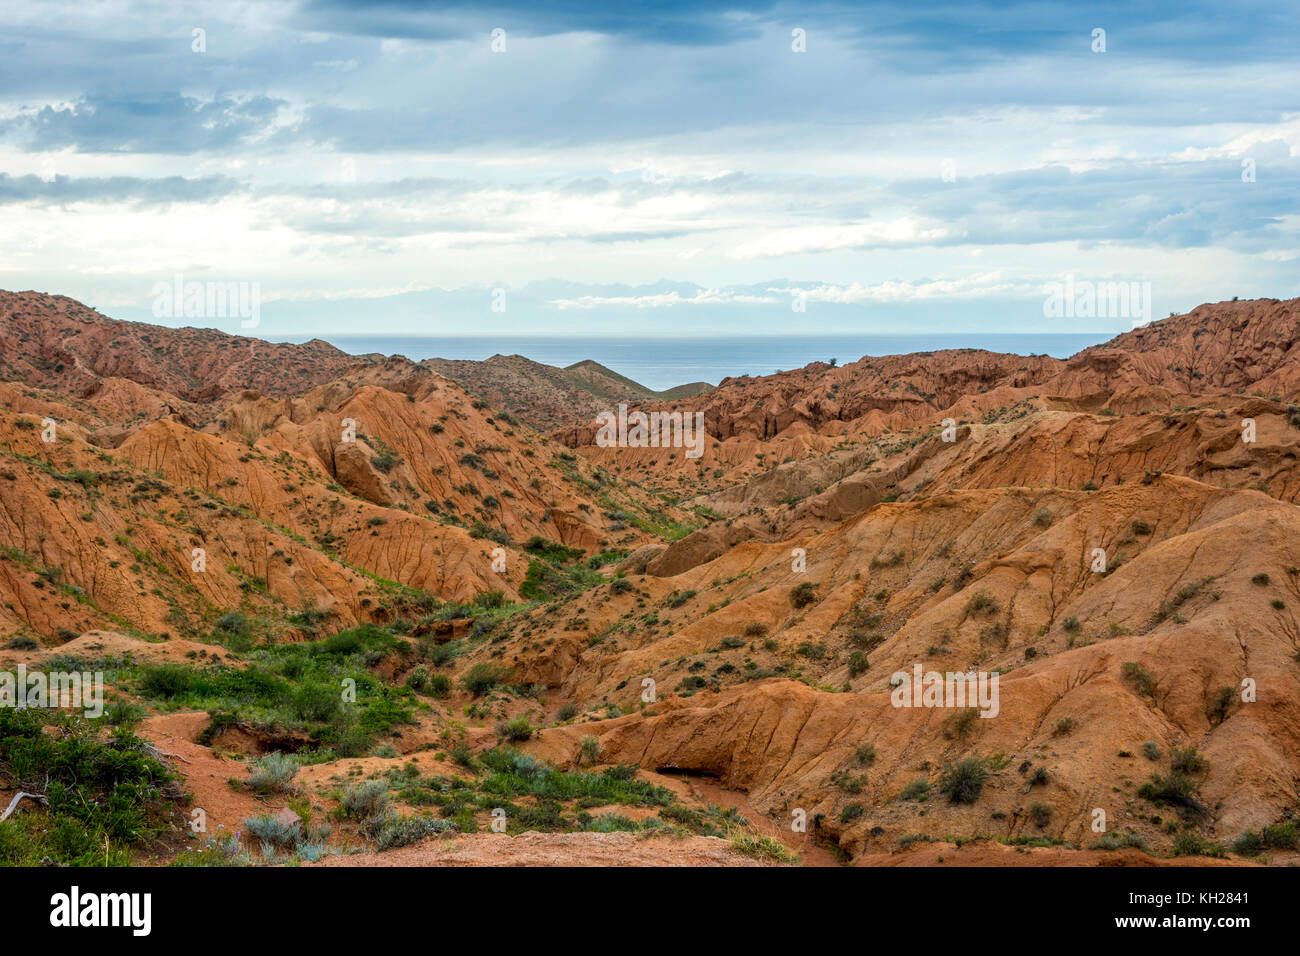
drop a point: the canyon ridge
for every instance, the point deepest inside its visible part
(417, 612)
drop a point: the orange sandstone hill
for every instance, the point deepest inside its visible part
(56, 342)
(1113, 535)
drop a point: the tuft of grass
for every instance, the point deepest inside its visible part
(1064, 727)
(1217, 707)
(917, 790)
(959, 725)
(762, 848)
(1141, 678)
(1189, 843)
(981, 601)
(1119, 841)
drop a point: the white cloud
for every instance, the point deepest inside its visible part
(904, 231)
(665, 300)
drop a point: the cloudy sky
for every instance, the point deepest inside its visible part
(405, 167)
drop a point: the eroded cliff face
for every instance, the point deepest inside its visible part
(320, 500)
(1114, 535)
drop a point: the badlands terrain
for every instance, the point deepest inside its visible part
(357, 610)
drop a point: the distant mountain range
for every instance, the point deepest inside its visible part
(548, 397)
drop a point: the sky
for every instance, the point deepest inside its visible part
(656, 169)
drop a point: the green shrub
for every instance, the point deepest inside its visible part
(166, 680)
(1177, 788)
(483, 677)
(515, 729)
(268, 829)
(677, 600)
(274, 773)
(959, 725)
(918, 790)
(1142, 679)
(366, 800)
(981, 601)
(801, 595)
(1248, 844)
(103, 795)
(124, 713)
(1188, 843)
(963, 781)
(402, 831)
(233, 623)
(1119, 841)
(1282, 836)
(1187, 760)
(1217, 707)
(316, 702)
(858, 663)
